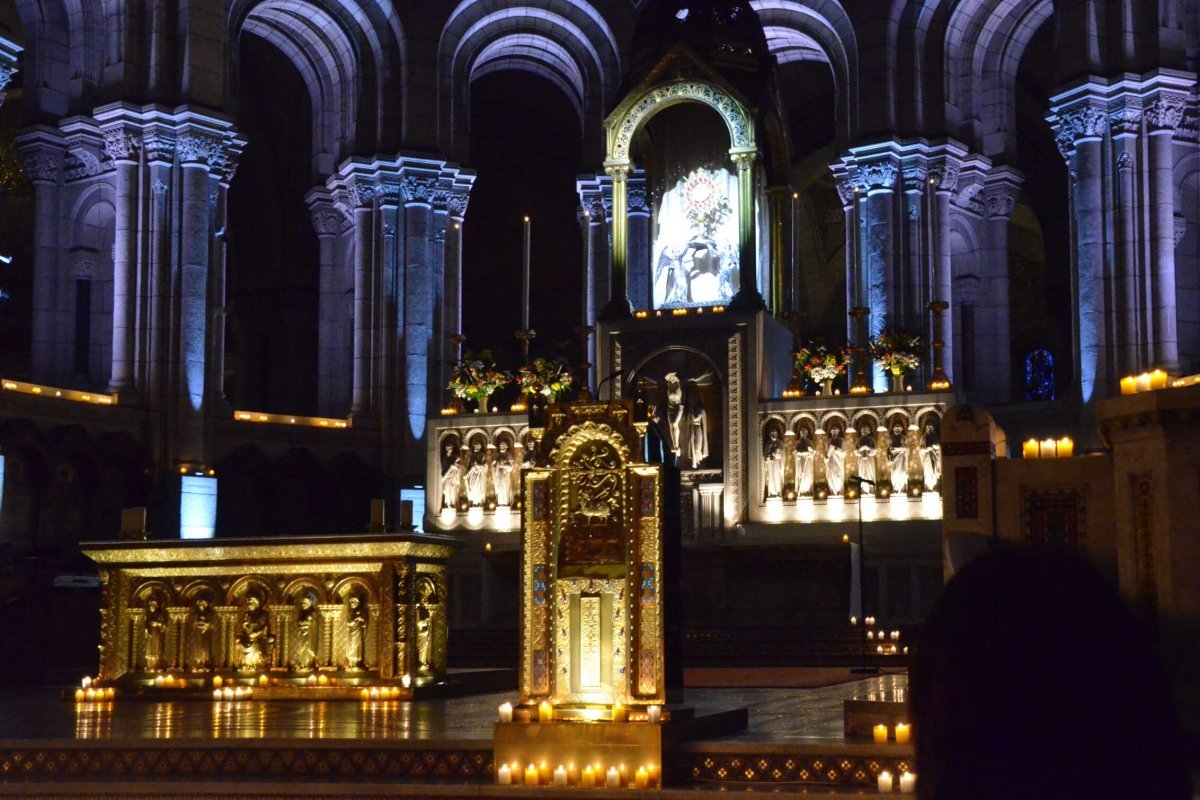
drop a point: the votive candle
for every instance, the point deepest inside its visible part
(881, 734)
(908, 782)
(903, 732)
(613, 778)
(545, 712)
(1143, 382)
(531, 775)
(86, 683)
(1158, 379)
(560, 775)
(654, 714)
(588, 778)
(216, 681)
(506, 712)
(572, 774)
(1129, 385)
(886, 784)
(641, 778)
(79, 695)
(504, 775)
(618, 713)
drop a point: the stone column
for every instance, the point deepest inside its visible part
(848, 193)
(123, 147)
(747, 297)
(595, 202)
(618, 301)
(879, 179)
(639, 242)
(1163, 116)
(197, 150)
(329, 223)
(1000, 192)
(1125, 122)
(779, 200)
(363, 257)
(159, 145)
(456, 211)
(219, 179)
(422, 273)
(42, 151)
(1080, 137)
(911, 279)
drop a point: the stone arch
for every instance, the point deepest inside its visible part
(202, 587)
(305, 584)
(567, 42)
(65, 51)
(623, 125)
(353, 584)
(807, 30)
(349, 54)
(983, 48)
(251, 584)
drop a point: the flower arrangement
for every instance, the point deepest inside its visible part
(549, 377)
(820, 362)
(476, 377)
(896, 350)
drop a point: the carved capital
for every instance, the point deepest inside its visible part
(42, 165)
(743, 160)
(1165, 113)
(83, 264)
(6, 73)
(944, 176)
(845, 189)
(1078, 124)
(199, 148)
(328, 221)
(418, 189)
(1000, 201)
(456, 203)
(915, 178)
(880, 175)
(360, 192)
(1125, 116)
(618, 172)
(637, 200)
(121, 144)
(159, 146)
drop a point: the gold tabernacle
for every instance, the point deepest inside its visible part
(287, 611)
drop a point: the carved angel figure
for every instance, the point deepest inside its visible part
(451, 475)
(931, 457)
(898, 459)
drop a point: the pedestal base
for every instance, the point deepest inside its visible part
(609, 744)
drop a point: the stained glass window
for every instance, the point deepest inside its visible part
(1039, 375)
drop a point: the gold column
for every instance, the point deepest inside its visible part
(747, 296)
(618, 303)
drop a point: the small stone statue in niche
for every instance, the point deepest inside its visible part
(477, 470)
(427, 598)
(898, 458)
(202, 636)
(306, 634)
(866, 456)
(156, 634)
(256, 638)
(451, 474)
(773, 465)
(835, 459)
(502, 469)
(803, 458)
(931, 457)
(356, 633)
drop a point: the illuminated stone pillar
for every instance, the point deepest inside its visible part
(422, 273)
(595, 202)
(639, 241)
(123, 146)
(159, 146)
(943, 174)
(1163, 116)
(363, 257)
(779, 199)
(878, 180)
(456, 211)
(848, 193)
(330, 224)
(1125, 122)
(195, 150)
(1000, 192)
(42, 151)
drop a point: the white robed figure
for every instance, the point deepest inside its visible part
(898, 459)
(684, 427)
(835, 461)
(866, 457)
(803, 460)
(773, 465)
(502, 469)
(931, 458)
(477, 472)
(451, 475)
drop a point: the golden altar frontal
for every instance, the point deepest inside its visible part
(330, 612)
(591, 595)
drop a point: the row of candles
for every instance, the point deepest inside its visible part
(1048, 448)
(1146, 382)
(379, 693)
(887, 784)
(619, 713)
(590, 777)
(234, 693)
(903, 733)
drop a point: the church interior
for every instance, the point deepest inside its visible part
(642, 390)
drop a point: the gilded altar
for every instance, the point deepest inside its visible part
(355, 608)
(591, 607)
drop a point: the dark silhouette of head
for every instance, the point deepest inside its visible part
(1032, 680)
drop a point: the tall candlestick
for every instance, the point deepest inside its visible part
(525, 280)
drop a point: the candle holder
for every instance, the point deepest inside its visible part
(861, 384)
(939, 381)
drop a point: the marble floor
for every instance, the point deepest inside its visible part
(776, 715)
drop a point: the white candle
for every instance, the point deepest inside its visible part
(216, 694)
(525, 280)
(654, 714)
(227, 693)
(159, 681)
(86, 682)
(613, 779)
(504, 775)
(908, 782)
(560, 775)
(886, 784)
(506, 712)
(406, 680)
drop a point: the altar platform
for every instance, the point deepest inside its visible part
(427, 748)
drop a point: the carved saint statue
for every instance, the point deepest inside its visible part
(426, 599)
(256, 639)
(685, 425)
(200, 650)
(156, 634)
(866, 457)
(773, 465)
(451, 475)
(803, 458)
(477, 470)
(502, 469)
(356, 633)
(897, 454)
(931, 457)
(307, 624)
(835, 460)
